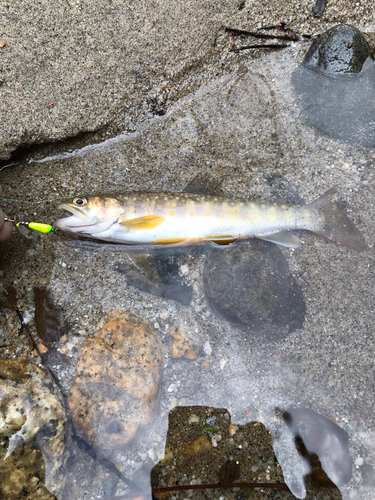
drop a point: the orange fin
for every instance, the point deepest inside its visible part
(143, 223)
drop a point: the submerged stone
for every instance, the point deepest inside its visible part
(117, 386)
(33, 432)
(341, 49)
(336, 85)
(250, 285)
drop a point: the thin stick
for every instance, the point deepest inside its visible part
(260, 46)
(159, 489)
(258, 35)
(165, 489)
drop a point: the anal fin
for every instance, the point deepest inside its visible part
(284, 238)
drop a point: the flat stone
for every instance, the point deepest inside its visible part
(251, 286)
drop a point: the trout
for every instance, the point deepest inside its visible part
(140, 218)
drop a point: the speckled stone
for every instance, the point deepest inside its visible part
(33, 429)
(117, 386)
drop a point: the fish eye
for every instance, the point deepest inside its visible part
(80, 200)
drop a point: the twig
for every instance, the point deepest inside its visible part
(261, 46)
(235, 31)
(166, 489)
(159, 489)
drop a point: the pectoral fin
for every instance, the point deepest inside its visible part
(142, 223)
(284, 238)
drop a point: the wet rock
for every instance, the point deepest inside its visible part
(325, 439)
(32, 418)
(10, 300)
(368, 475)
(229, 472)
(117, 386)
(199, 445)
(341, 49)
(73, 83)
(181, 346)
(22, 475)
(250, 285)
(336, 84)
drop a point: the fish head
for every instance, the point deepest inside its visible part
(88, 216)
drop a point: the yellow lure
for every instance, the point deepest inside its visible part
(42, 228)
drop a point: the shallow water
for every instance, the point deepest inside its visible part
(177, 340)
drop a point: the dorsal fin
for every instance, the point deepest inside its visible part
(203, 184)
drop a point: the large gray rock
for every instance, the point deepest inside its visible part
(91, 69)
(68, 67)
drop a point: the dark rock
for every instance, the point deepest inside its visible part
(336, 84)
(319, 7)
(229, 472)
(342, 49)
(251, 286)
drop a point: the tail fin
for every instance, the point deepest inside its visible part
(337, 226)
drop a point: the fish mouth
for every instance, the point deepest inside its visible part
(65, 214)
(73, 218)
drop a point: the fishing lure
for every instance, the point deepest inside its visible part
(36, 226)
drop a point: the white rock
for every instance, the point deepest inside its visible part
(207, 348)
(163, 314)
(215, 439)
(184, 270)
(193, 419)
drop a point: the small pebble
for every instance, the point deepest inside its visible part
(184, 270)
(207, 348)
(193, 419)
(211, 421)
(358, 461)
(232, 429)
(163, 314)
(215, 439)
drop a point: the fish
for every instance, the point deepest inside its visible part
(146, 218)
